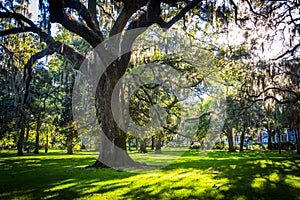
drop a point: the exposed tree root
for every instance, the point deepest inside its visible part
(133, 166)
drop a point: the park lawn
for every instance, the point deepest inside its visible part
(194, 175)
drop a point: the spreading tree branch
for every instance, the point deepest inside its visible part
(177, 17)
(290, 51)
(28, 68)
(125, 14)
(85, 14)
(256, 98)
(59, 15)
(15, 31)
(68, 52)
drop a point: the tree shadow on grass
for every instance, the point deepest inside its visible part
(217, 175)
(250, 175)
(51, 176)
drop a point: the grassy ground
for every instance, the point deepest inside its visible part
(215, 175)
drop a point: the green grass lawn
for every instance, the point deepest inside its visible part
(215, 175)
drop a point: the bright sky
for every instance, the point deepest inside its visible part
(33, 8)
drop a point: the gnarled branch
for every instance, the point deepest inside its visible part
(68, 52)
(85, 14)
(177, 17)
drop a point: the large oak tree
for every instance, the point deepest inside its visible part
(104, 19)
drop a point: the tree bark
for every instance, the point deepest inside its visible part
(279, 144)
(129, 143)
(298, 142)
(158, 146)
(69, 143)
(136, 144)
(243, 135)
(269, 140)
(152, 142)
(113, 140)
(47, 143)
(230, 140)
(27, 132)
(37, 136)
(93, 11)
(242, 141)
(20, 142)
(143, 146)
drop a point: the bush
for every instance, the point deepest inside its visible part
(284, 146)
(219, 145)
(255, 146)
(197, 146)
(29, 144)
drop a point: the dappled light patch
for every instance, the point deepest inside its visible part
(274, 177)
(258, 183)
(293, 181)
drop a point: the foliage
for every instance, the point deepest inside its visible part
(219, 145)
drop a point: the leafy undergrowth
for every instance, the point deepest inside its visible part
(210, 175)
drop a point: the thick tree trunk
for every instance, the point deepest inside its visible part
(37, 136)
(113, 140)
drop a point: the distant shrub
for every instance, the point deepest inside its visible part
(196, 146)
(284, 146)
(29, 144)
(255, 146)
(219, 145)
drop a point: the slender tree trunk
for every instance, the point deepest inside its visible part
(27, 132)
(230, 143)
(269, 140)
(136, 144)
(143, 146)
(20, 142)
(230, 140)
(243, 135)
(279, 144)
(70, 143)
(47, 143)
(37, 136)
(158, 146)
(129, 141)
(298, 142)
(242, 141)
(152, 142)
